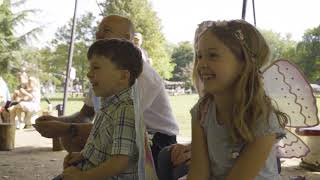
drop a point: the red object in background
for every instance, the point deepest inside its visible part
(312, 131)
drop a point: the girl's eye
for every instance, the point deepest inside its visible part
(212, 55)
(199, 56)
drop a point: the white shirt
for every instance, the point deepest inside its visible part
(154, 102)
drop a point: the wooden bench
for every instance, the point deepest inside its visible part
(7, 136)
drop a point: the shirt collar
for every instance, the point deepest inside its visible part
(106, 102)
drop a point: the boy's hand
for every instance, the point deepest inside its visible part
(71, 159)
(73, 173)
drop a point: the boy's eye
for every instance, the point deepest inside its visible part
(107, 31)
(94, 67)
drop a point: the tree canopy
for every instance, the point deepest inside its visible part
(11, 55)
(308, 54)
(182, 56)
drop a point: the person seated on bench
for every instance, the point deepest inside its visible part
(28, 103)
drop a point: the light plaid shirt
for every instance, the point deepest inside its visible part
(113, 133)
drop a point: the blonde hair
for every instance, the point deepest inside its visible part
(33, 82)
(250, 102)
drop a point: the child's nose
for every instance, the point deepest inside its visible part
(89, 74)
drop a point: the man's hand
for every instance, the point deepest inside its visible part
(180, 153)
(47, 118)
(52, 128)
(71, 159)
(73, 173)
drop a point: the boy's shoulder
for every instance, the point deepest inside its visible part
(124, 106)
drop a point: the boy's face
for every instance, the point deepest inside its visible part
(106, 79)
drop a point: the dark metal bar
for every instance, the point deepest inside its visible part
(244, 8)
(70, 55)
(254, 13)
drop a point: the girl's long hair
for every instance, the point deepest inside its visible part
(251, 104)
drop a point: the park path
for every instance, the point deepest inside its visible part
(33, 159)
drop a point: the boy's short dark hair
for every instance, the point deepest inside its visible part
(122, 53)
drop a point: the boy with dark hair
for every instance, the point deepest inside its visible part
(111, 151)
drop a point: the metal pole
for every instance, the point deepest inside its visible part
(70, 54)
(244, 8)
(254, 13)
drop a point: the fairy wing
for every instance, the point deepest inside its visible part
(291, 93)
(291, 146)
(146, 169)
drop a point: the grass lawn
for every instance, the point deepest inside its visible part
(181, 106)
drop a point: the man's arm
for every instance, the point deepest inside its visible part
(73, 139)
(85, 115)
(51, 126)
(76, 138)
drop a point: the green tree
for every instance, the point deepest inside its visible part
(308, 54)
(148, 24)
(280, 47)
(182, 56)
(85, 30)
(84, 37)
(187, 74)
(11, 57)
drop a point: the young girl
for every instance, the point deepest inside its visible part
(234, 125)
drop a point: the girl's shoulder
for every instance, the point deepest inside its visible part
(200, 108)
(270, 126)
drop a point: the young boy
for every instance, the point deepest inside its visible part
(111, 151)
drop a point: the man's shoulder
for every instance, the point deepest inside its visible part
(149, 70)
(149, 77)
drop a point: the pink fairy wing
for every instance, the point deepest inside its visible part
(291, 146)
(291, 93)
(146, 168)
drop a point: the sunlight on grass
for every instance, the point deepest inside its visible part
(181, 106)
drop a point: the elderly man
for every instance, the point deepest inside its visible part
(158, 117)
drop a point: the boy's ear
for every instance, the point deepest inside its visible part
(125, 75)
(128, 37)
